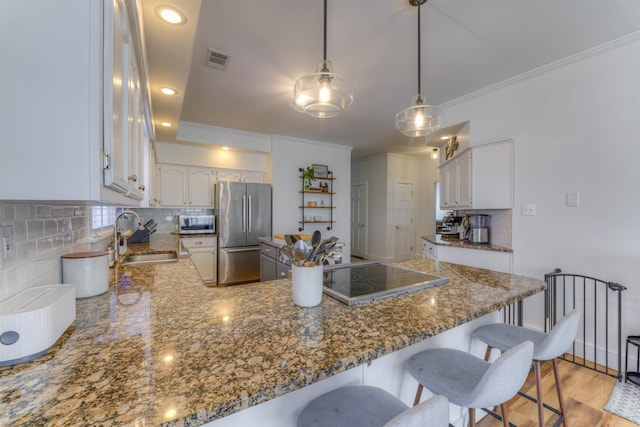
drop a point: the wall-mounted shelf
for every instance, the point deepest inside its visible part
(306, 193)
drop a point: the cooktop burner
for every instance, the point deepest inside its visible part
(360, 282)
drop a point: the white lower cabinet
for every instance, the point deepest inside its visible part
(429, 250)
(203, 253)
(491, 260)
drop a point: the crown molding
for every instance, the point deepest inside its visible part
(572, 59)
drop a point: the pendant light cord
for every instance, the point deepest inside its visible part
(419, 86)
(324, 52)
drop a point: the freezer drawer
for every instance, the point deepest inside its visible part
(238, 265)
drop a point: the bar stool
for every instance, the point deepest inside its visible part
(546, 347)
(366, 406)
(468, 381)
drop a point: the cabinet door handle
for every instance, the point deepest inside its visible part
(141, 188)
(133, 178)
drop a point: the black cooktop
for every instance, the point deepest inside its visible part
(361, 282)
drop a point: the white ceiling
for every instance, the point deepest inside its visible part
(467, 45)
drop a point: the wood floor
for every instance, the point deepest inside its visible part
(586, 393)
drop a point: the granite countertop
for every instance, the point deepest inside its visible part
(167, 350)
(457, 243)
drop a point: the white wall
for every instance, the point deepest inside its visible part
(289, 154)
(380, 172)
(576, 130)
(373, 171)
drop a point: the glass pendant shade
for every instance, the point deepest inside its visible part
(419, 119)
(322, 94)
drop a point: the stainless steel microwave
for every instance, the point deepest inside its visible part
(196, 224)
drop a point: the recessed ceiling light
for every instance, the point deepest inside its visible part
(168, 91)
(166, 124)
(171, 15)
(225, 148)
(444, 138)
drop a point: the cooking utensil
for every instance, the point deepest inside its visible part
(300, 251)
(287, 252)
(325, 246)
(288, 239)
(315, 241)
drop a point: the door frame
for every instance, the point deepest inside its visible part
(365, 186)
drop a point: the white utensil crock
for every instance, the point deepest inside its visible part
(307, 285)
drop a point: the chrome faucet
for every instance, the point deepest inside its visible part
(116, 244)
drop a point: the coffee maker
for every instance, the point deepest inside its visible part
(479, 232)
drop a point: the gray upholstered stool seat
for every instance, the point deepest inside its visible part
(468, 381)
(366, 406)
(546, 347)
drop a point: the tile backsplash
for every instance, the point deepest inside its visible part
(39, 233)
(34, 236)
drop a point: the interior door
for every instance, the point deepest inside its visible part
(359, 220)
(404, 212)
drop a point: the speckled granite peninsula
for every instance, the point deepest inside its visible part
(165, 350)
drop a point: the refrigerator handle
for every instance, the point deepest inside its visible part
(244, 214)
(249, 214)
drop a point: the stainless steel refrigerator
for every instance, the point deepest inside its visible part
(244, 215)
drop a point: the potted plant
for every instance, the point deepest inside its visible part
(307, 174)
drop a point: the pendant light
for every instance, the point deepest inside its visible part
(322, 94)
(420, 119)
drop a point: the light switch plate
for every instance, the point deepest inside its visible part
(572, 199)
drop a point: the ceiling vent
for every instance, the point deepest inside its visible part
(217, 59)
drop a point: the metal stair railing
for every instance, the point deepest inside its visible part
(600, 303)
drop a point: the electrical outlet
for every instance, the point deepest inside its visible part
(528, 210)
(7, 251)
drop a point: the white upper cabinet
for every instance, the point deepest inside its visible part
(200, 187)
(480, 177)
(181, 186)
(69, 100)
(493, 176)
(455, 182)
(124, 108)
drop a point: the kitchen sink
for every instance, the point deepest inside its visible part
(150, 258)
